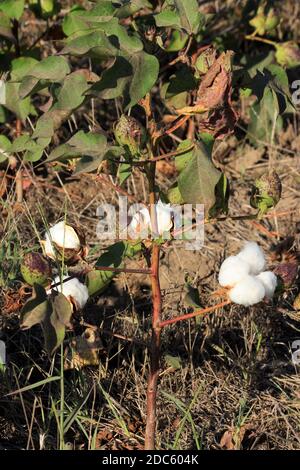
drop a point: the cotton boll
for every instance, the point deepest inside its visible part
(140, 224)
(63, 241)
(269, 281)
(64, 236)
(164, 217)
(73, 289)
(248, 291)
(254, 256)
(233, 270)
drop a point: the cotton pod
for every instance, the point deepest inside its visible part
(269, 281)
(254, 256)
(140, 224)
(249, 291)
(164, 216)
(233, 269)
(74, 290)
(64, 241)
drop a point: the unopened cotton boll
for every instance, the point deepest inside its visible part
(76, 292)
(269, 281)
(249, 291)
(254, 256)
(233, 270)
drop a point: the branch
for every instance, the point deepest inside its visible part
(194, 314)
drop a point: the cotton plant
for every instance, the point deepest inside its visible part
(244, 276)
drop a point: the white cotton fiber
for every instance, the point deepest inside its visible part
(72, 289)
(269, 281)
(233, 270)
(64, 235)
(254, 256)
(248, 291)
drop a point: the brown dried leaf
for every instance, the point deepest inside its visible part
(85, 350)
(287, 272)
(218, 116)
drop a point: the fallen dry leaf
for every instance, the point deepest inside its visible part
(84, 350)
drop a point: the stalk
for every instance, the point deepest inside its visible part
(156, 319)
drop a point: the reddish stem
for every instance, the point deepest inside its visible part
(154, 352)
(196, 313)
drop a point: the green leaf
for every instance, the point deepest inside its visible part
(181, 14)
(96, 45)
(36, 309)
(5, 27)
(173, 361)
(63, 309)
(12, 8)
(222, 193)
(72, 92)
(92, 162)
(192, 297)
(131, 7)
(92, 147)
(183, 159)
(190, 17)
(197, 181)
(54, 331)
(53, 69)
(21, 67)
(20, 143)
(73, 21)
(20, 107)
(168, 19)
(131, 77)
(115, 255)
(5, 146)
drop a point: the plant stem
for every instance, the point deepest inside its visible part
(156, 319)
(196, 313)
(154, 352)
(62, 400)
(258, 39)
(19, 176)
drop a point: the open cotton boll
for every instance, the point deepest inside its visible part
(63, 240)
(269, 281)
(140, 224)
(64, 236)
(254, 256)
(233, 270)
(164, 217)
(76, 292)
(248, 291)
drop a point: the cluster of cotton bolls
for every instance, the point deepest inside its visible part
(64, 238)
(245, 276)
